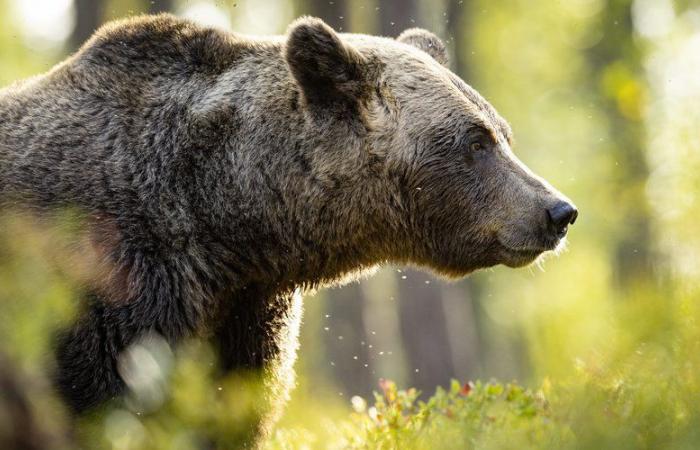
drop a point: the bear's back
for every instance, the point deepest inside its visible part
(164, 45)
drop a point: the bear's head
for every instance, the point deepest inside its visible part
(456, 198)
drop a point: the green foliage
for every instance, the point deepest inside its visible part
(183, 407)
(476, 415)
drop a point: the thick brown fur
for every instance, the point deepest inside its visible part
(220, 174)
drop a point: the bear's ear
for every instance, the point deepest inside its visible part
(328, 71)
(426, 41)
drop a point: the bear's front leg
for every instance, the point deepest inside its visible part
(260, 332)
(86, 355)
(167, 299)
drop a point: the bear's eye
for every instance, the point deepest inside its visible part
(476, 146)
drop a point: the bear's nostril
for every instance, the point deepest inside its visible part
(574, 217)
(561, 215)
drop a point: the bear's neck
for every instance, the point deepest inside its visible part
(333, 216)
(350, 233)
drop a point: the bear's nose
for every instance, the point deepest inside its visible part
(561, 215)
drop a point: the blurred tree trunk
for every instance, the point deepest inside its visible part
(396, 16)
(334, 13)
(623, 103)
(424, 330)
(159, 6)
(347, 340)
(457, 38)
(463, 313)
(89, 15)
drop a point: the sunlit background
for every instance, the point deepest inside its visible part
(604, 100)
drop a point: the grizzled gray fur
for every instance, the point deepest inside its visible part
(221, 174)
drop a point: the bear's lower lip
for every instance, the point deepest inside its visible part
(519, 257)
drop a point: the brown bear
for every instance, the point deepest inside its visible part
(220, 174)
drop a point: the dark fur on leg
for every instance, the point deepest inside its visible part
(171, 301)
(87, 356)
(259, 332)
